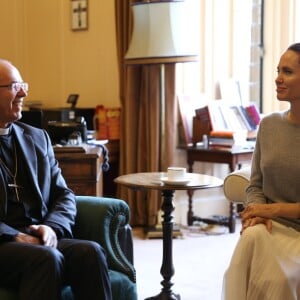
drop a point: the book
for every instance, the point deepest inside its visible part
(212, 113)
(219, 138)
(200, 128)
(222, 142)
(222, 134)
(217, 117)
(185, 133)
(250, 121)
(203, 114)
(232, 119)
(186, 107)
(253, 113)
(244, 124)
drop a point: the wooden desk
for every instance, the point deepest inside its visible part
(82, 171)
(234, 157)
(152, 181)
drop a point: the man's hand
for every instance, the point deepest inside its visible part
(41, 235)
(45, 233)
(26, 238)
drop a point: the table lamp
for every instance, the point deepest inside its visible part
(161, 35)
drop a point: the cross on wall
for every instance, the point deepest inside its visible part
(79, 14)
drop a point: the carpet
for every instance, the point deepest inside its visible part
(200, 257)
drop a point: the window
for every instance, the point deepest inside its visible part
(230, 39)
(256, 58)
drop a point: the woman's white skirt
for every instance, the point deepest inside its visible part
(264, 266)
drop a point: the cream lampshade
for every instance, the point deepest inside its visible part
(161, 34)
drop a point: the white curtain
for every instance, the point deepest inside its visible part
(225, 28)
(225, 36)
(281, 18)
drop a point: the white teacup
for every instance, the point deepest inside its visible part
(176, 173)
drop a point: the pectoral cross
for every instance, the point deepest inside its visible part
(16, 187)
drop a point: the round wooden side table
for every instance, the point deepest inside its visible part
(157, 181)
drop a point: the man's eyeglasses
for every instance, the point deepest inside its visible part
(17, 86)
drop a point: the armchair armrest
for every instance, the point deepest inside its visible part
(100, 219)
(235, 185)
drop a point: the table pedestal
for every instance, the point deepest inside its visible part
(167, 268)
(152, 180)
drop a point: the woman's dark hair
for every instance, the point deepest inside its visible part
(294, 47)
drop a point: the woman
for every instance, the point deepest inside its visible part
(266, 262)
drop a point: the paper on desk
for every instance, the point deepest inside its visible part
(97, 142)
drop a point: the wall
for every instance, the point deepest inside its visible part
(56, 61)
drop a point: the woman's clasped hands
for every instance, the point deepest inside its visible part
(255, 214)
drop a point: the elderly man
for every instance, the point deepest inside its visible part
(37, 211)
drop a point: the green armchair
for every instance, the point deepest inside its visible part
(104, 220)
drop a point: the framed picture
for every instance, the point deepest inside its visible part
(79, 14)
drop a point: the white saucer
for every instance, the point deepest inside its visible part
(175, 182)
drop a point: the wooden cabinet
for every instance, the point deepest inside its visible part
(82, 170)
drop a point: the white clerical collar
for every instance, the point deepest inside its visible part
(4, 131)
